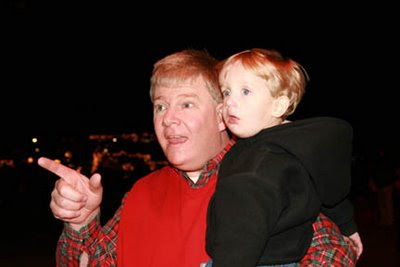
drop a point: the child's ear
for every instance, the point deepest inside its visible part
(281, 104)
(221, 124)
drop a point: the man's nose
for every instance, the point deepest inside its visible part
(170, 117)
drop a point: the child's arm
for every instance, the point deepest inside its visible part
(342, 215)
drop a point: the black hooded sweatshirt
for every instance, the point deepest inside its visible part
(271, 188)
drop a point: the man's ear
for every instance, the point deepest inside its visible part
(281, 105)
(221, 124)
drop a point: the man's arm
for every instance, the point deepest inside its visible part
(102, 251)
(73, 244)
(355, 241)
(343, 216)
(76, 201)
(93, 245)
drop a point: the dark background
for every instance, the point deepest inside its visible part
(87, 71)
(71, 69)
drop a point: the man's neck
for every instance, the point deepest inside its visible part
(224, 140)
(194, 176)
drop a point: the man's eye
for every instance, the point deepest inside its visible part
(187, 105)
(159, 107)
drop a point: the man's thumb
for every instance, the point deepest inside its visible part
(95, 182)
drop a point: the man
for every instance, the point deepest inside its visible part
(162, 220)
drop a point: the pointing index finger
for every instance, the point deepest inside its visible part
(62, 171)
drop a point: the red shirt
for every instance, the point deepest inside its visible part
(163, 222)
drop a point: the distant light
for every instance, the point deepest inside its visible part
(37, 150)
(34, 140)
(114, 139)
(30, 160)
(57, 160)
(68, 154)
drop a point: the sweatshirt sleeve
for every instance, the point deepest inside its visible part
(343, 215)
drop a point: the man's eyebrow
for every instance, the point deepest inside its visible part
(188, 95)
(191, 95)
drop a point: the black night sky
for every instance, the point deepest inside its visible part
(92, 76)
(70, 69)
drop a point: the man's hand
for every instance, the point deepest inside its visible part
(75, 198)
(356, 243)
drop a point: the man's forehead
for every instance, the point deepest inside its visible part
(183, 90)
(177, 95)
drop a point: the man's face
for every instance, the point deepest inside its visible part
(187, 124)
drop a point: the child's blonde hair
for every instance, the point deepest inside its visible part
(282, 75)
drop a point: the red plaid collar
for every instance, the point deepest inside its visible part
(209, 170)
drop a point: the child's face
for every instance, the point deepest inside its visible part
(248, 104)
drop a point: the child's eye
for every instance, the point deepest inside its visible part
(245, 91)
(226, 93)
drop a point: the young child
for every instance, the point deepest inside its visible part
(279, 176)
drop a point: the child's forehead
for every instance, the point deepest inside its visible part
(234, 66)
(235, 62)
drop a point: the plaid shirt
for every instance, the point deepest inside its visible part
(100, 242)
(328, 248)
(208, 169)
(96, 241)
